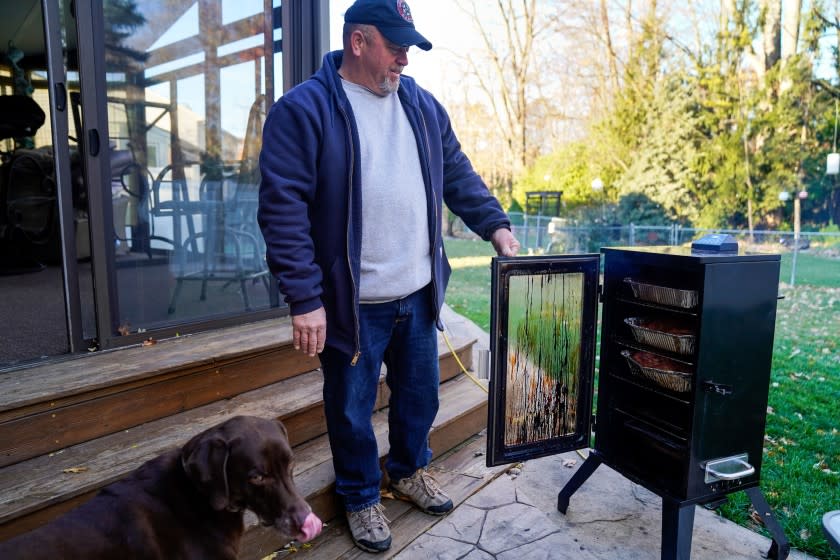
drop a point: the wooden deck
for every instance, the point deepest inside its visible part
(69, 428)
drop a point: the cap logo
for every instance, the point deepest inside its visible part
(404, 11)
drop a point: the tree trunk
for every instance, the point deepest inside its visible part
(772, 32)
(605, 29)
(792, 14)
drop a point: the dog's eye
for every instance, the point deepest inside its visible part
(256, 478)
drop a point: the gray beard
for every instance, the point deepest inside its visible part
(388, 87)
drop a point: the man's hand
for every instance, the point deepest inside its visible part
(310, 331)
(504, 242)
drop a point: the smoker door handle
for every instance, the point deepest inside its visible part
(748, 470)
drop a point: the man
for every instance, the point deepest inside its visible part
(356, 164)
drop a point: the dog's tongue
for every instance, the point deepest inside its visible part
(310, 529)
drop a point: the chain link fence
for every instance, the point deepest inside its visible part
(549, 235)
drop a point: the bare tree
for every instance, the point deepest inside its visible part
(611, 55)
(508, 71)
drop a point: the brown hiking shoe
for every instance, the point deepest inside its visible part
(423, 490)
(369, 528)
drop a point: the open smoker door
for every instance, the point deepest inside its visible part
(542, 346)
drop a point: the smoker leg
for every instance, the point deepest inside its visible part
(584, 472)
(677, 527)
(780, 548)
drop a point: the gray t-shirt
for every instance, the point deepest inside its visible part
(396, 259)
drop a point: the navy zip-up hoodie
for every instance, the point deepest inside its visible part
(310, 208)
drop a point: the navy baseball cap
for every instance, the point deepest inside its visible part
(391, 17)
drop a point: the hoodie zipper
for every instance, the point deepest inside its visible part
(358, 352)
(433, 225)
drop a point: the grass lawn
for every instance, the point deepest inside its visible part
(811, 270)
(801, 466)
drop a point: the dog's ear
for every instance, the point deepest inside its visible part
(282, 428)
(204, 462)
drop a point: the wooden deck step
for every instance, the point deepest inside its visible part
(460, 471)
(52, 406)
(36, 490)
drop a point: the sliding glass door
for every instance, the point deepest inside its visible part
(128, 165)
(187, 84)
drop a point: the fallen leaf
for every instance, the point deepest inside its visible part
(124, 329)
(755, 516)
(75, 470)
(149, 342)
(804, 534)
(569, 463)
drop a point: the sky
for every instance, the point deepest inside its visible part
(442, 23)
(445, 25)
(448, 29)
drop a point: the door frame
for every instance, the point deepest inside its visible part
(305, 29)
(59, 104)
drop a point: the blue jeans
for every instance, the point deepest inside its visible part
(402, 334)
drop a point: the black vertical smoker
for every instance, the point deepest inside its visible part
(685, 359)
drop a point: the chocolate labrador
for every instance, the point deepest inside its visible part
(185, 504)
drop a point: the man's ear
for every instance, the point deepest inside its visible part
(357, 42)
(204, 462)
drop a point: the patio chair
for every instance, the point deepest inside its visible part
(228, 248)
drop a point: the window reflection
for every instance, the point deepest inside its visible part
(186, 103)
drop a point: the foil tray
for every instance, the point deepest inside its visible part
(677, 381)
(686, 299)
(677, 343)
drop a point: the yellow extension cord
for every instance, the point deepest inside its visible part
(475, 380)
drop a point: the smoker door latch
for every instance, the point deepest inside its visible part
(717, 388)
(728, 468)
